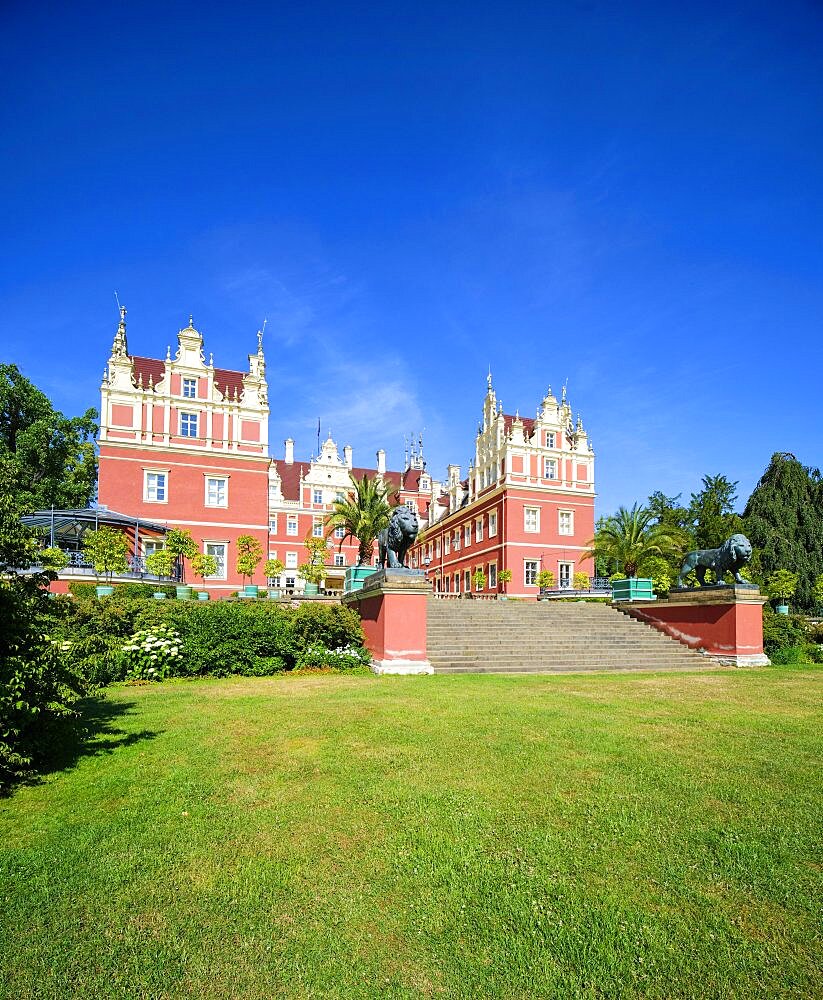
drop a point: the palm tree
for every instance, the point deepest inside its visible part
(362, 514)
(629, 536)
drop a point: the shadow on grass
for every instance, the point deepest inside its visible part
(92, 733)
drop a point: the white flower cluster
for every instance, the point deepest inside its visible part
(151, 652)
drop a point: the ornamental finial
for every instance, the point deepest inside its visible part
(489, 378)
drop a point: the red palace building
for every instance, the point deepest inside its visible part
(526, 505)
(185, 444)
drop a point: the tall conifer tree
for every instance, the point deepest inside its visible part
(784, 519)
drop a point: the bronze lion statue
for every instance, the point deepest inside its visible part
(731, 557)
(395, 541)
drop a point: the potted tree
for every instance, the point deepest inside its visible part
(628, 538)
(545, 581)
(313, 571)
(107, 549)
(362, 515)
(503, 577)
(780, 586)
(249, 556)
(479, 579)
(273, 568)
(160, 563)
(203, 565)
(182, 546)
(53, 559)
(581, 581)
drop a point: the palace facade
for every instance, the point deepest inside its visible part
(185, 444)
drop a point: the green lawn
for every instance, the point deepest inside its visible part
(461, 836)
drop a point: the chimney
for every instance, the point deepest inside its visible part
(347, 456)
(289, 442)
(381, 462)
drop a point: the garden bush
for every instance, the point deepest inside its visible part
(144, 590)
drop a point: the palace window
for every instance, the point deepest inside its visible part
(273, 524)
(217, 490)
(457, 583)
(566, 570)
(291, 525)
(190, 388)
(154, 487)
(317, 528)
(188, 425)
(550, 439)
(492, 523)
(467, 581)
(492, 574)
(530, 572)
(339, 559)
(437, 549)
(317, 496)
(412, 505)
(531, 519)
(478, 529)
(467, 535)
(291, 560)
(457, 540)
(565, 522)
(218, 550)
(340, 531)
(550, 468)
(289, 583)
(447, 544)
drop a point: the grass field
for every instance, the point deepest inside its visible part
(469, 836)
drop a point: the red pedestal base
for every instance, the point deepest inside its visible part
(725, 623)
(392, 608)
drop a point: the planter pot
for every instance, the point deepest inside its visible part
(274, 595)
(159, 595)
(183, 593)
(202, 595)
(251, 590)
(355, 575)
(782, 609)
(104, 591)
(502, 597)
(310, 589)
(635, 588)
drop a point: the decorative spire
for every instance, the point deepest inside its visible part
(168, 354)
(120, 347)
(260, 333)
(211, 360)
(489, 378)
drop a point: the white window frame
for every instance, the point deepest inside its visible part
(477, 587)
(147, 490)
(291, 560)
(467, 535)
(457, 583)
(478, 529)
(568, 517)
(339, 559)
(316, 496)
(340, 532)
(273, 523)
(527, 512)
(317, 528)
(437, 548)
(222, 559)
(191, 424)
(291, 525)
(217, 479)
(569, 567)
(492, 523)
(550, 468)
(550, 439)
(467, 581)
(492, 576)
(530, 569)
(186, 384)
(447, 544)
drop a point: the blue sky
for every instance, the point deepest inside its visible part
(624, 196)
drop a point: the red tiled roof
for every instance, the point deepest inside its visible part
(443, 501)
(228, 382)
(393, 478)
(528, 424)
(289, 477)
(148, 368)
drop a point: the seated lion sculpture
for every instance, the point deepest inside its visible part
(395, 541)
(731, 557)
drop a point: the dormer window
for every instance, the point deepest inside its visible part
(190, 388)
(550, 439)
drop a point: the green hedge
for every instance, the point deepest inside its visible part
(143, 590)
(218, 638)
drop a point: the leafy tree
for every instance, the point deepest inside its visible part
(630, 536)
(362, 514)
(161, 562)
(782, 584)
(273, 568)
(108, 550)
(545, 579)
(581, 581)
(504, 577)
(784, 520)
(38, 682)
(249, 555)
(182, 546)
(314, 569)
(711, 512)
(51, 457)
(479, 579)
(203, 565)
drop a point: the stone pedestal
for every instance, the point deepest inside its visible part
(725, 623)
(392, 608)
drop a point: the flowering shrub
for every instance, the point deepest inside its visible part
(152, 653)
(343, 658)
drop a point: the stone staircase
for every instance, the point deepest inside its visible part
(547, 637)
